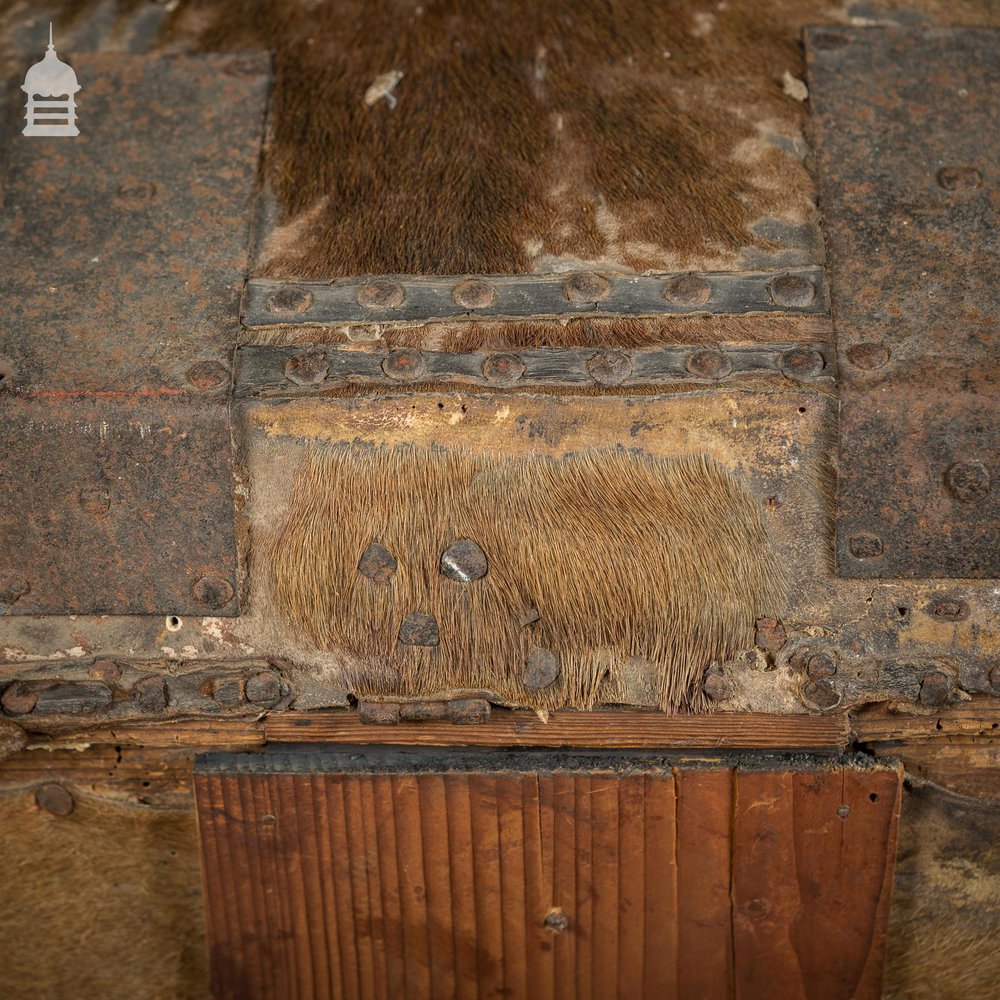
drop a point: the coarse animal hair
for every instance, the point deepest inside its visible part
(517, 133)
(625, 560)
(102, 903)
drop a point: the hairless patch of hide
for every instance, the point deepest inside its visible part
(605, 560)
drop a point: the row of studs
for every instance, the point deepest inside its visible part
(688, 291)
(608, 368)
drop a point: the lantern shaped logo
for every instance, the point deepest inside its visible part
(51, 87)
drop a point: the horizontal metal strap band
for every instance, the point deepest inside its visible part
(265, 370)
(418, 299)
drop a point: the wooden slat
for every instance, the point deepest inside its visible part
(765, 889)
(704, 851)
(605, 728)
(659, 972)
(709, 881)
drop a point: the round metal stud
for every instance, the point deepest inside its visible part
(290, 301)
(464, 561)
(307, 369)
(474, 293)
(609, 367)
(792, 291)
(541, 668)
(968, 481)
(709, 363)
(802, 362)
(688, 290)
(377, 563)
(405, 365)
(381, 295)
(868, 356)
(502, 369)
(587, 286)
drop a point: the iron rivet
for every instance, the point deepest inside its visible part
(290, 300)
(307, 369)
(528, 617)
(94, 499)
(709, 364)
(821, 665)
(688, 290)
(865, 546)
(379, 713)
(263, 688)
(134, 194)
(151, 693)
(541, 668)
(792, 291)
(770, 634)
(419, 630)
(714, 683)
(820, 693)
(968, 481)
(405, 364)
(802, 362)
(609, 367)
(952, 609)
(935, 689)
(213, 591)
(228, 691)
(13, 589)
(502, 369)
(474, 293)
(381, 295)
(469, 711)
(464, 561)
(207, 375)
(959, 178)
(54, 799)
(105, 670)
(843, 811)
(587, 287)
(19, 698)
(868, 356)
(556, 921)
(377, 563)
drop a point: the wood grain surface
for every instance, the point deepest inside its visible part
(642, 881)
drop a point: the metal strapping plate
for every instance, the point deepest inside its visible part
(124, 252)
(906, 130)
(116, 506)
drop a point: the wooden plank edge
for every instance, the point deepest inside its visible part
(600, 728)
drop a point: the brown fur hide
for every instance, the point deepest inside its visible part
(102, 904)
(945, 918)
(624, 560)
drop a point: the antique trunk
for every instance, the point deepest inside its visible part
(500, 500)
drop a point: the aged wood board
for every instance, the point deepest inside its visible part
(415, 873)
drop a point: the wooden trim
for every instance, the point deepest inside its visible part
(609, 728)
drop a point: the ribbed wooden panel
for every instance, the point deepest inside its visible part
(702, 882)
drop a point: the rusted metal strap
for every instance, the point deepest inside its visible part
(124, 254)
(417, 299)
(285, 371)
(906, 129)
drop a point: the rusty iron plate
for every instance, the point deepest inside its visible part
(125, 249)
(116, 507)
(124, 253)
(906, 127)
